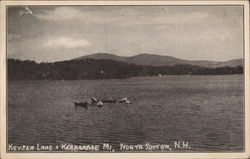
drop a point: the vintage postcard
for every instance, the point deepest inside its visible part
(124, 79)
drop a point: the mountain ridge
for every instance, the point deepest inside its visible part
(161, 60)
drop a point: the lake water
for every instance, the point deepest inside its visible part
(205, 111)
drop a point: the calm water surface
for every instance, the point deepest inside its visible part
(206, 111)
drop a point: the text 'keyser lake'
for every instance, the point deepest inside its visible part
(196, 113)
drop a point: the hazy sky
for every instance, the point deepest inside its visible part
(54, 33)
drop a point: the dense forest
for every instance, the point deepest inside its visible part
(103, 69)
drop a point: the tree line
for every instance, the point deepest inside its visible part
(103, 69)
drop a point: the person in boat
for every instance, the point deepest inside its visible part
(124, 100)
(99, 104)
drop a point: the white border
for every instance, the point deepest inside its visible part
(5, 155)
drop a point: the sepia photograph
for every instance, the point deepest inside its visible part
(125, 78)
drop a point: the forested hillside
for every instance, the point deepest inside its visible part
(103, 69)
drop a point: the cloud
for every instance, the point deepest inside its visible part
(121, 16)
(60, 13)
(67, 42)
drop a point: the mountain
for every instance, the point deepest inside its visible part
(232, 63)
(155, 60)
(159, 60)
(103, 56)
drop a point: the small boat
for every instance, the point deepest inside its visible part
(80, 104)
(111, 100)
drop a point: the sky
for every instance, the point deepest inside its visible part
(56, 33)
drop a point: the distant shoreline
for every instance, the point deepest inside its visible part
(46, 80)
(104, 69)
